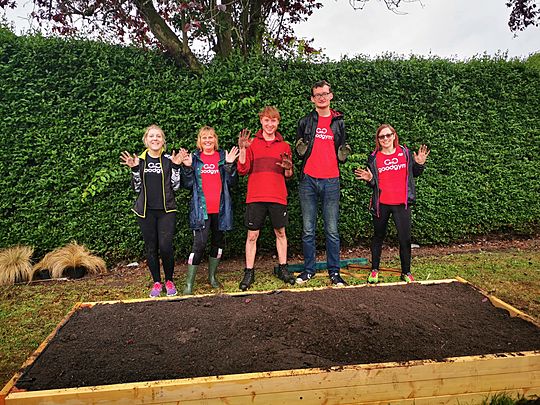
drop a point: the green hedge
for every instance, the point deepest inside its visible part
(68, 108)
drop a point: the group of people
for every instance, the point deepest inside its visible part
(210, 173)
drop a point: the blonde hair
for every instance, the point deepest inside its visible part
(154, 126)
(206, 130)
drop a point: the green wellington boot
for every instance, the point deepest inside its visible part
(212, 267)
(190, 278)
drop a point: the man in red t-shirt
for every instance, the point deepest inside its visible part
(268, 162)
(321, 144)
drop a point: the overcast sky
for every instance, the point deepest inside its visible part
(446, 28)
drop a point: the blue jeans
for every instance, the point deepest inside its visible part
(311, 191)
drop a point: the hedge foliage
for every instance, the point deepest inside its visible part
(68, 108)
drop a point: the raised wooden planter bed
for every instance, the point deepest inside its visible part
(452, 380)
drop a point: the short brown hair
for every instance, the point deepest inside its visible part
(319, 84)
(270, 112)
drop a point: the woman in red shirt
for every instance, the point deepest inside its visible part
(209, 172)
(390, 173)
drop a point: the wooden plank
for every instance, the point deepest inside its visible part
(373, 383)
(496, 302)
(397, 392)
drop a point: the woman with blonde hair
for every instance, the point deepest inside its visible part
(209, 173)
(390, 173)
(155, 176)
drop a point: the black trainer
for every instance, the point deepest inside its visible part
(337, 281)
(304, 277)
(282, 272)
(249, 278)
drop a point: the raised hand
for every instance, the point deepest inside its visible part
(422, 155)
(231, 156)
(286, 161)
(129, 160)
(362, 174)
(187, 159)
(177, 157)
(243, 139)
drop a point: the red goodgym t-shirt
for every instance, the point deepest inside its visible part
(211, 182)
(322, 162)
(392, 170)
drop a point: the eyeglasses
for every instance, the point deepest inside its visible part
(384, 136)
(320, 95)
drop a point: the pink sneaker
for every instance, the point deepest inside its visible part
(171, 289)
(156, 290)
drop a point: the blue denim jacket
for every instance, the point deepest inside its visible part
(192, 180)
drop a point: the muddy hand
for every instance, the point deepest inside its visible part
(243, 139)
(286, 161)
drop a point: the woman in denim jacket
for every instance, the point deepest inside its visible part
(209, 172)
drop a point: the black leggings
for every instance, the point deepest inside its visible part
(200, 237)
(402, 219)
(158, 232)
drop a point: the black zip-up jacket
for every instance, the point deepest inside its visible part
(413, 170)
(170, 182)
(306, 129)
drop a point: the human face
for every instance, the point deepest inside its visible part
(321, 97)
(208, 143)
(386, 139)
(269, 126)
(154, 140)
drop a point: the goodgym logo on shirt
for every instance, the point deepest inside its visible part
(392, 164)
(209, 168)
(153, 168)
(322, 133)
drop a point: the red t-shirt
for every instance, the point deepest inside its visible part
(392, 170)
(322, 163)
(266, 181)
(211, 182)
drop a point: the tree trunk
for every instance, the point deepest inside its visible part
(256, 26)
(224, 25)
(181, 53)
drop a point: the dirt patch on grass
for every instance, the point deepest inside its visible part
(222, 334)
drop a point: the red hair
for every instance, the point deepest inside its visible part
(270, 112)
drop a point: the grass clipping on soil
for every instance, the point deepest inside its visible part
(71, 256)
(16, 265)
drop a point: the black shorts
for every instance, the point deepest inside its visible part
(256, 214)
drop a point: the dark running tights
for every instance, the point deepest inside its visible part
(158, 232)
(200, 237)
(402, 219)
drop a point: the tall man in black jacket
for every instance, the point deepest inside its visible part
(321, 144)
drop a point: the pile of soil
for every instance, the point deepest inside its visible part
(219, 335)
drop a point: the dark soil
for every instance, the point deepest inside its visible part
(218, 335)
